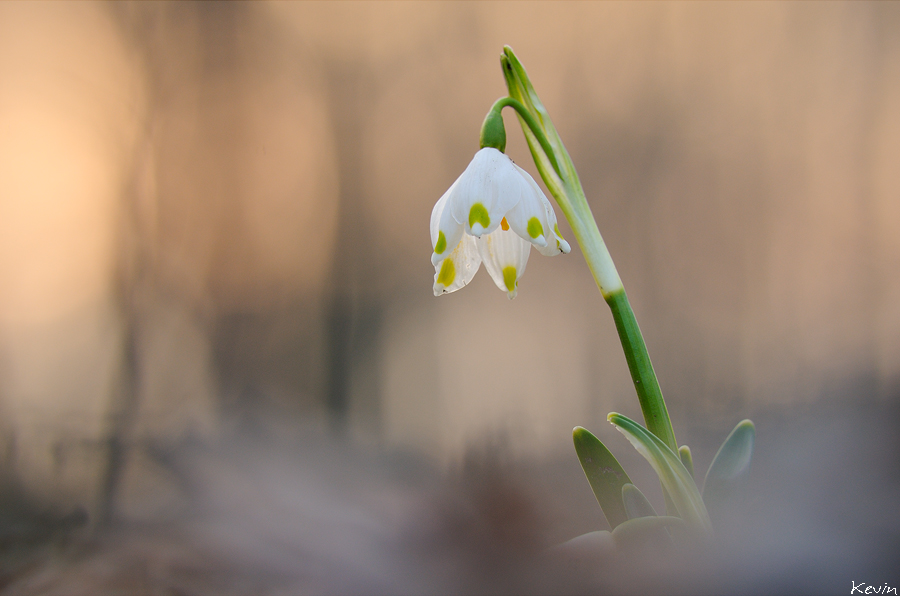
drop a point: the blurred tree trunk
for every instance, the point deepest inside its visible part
(352, 308)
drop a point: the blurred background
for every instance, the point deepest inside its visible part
(214, 223)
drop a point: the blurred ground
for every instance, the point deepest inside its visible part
(312, 516)
(213, 230)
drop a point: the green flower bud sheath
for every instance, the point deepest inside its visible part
(493, 133)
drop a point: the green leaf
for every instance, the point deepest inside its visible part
(636, 504)
(674, 476)
(604, 473)
(731, 462)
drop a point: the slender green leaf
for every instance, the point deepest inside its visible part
(636, 504)
(604, 473)
(674, 476)
(731, 462)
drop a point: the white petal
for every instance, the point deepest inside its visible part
(528, 218)
(485, 192)
(505, 255)
(556, 244)
(442, 222)
(458, 269)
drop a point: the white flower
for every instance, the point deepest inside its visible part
(493, 213)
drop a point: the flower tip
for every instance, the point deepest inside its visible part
(540, 241)
(477, 229)
(436, 258)
(438, 289)
(564, 247)
(511, 294)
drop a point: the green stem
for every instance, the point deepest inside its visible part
(649, 394)
(569, 194)
(575, 207)
(532, 124)
(578, 213)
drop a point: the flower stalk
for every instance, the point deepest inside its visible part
(558, 173)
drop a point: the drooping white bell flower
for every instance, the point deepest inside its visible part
(494, 213)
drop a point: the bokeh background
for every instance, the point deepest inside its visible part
(214, 222)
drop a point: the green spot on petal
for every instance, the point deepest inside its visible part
(480, 215)
(535, 228)
(448, 273)
(509, 278)
(441, 243)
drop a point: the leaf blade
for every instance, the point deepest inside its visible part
(604, 473)
(674, 476)
(636, 504)
(731, 462)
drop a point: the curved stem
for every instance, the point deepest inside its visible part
(532, 124)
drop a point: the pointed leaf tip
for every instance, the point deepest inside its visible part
(734, 456)
(731, 462)
(685, 453)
